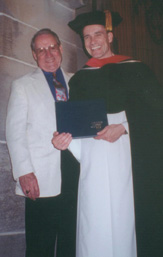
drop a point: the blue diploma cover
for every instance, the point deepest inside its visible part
(81, 118)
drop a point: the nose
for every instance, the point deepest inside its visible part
(92, 40)
(48, 52)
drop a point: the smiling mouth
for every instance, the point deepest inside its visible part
(95, 48)
(50, 61)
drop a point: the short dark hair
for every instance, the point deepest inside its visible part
(42, 32)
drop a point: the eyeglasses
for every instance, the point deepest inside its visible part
(42, 50)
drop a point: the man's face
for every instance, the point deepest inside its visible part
(97, 41)
(47, 54)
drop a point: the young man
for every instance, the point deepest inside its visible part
(132, 94)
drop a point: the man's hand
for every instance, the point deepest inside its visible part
(61, 141)
(30, 186)
(111, 133)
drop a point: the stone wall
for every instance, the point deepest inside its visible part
(19, 20)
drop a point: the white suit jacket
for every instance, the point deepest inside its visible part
(30, 125)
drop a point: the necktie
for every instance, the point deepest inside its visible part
(59, 90)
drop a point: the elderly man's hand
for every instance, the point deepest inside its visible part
(111, 133)
(61, 141)
(30, 185)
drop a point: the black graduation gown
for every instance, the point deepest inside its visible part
(133, 87)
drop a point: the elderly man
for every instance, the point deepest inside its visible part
(36, 164)
(105, 199)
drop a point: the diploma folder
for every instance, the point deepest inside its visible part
(81, 118)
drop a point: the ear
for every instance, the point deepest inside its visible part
(34, 56)
(110, 37)
(61, 49)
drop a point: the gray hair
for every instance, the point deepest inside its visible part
(43, 32)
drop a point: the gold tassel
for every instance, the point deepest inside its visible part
(108, 20)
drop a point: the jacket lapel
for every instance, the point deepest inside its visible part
(42, 88)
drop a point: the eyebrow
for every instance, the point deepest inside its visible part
(95, 33)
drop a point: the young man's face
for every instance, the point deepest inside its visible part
(97, 41)
(47, 54)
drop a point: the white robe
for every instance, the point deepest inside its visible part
(105, 219)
